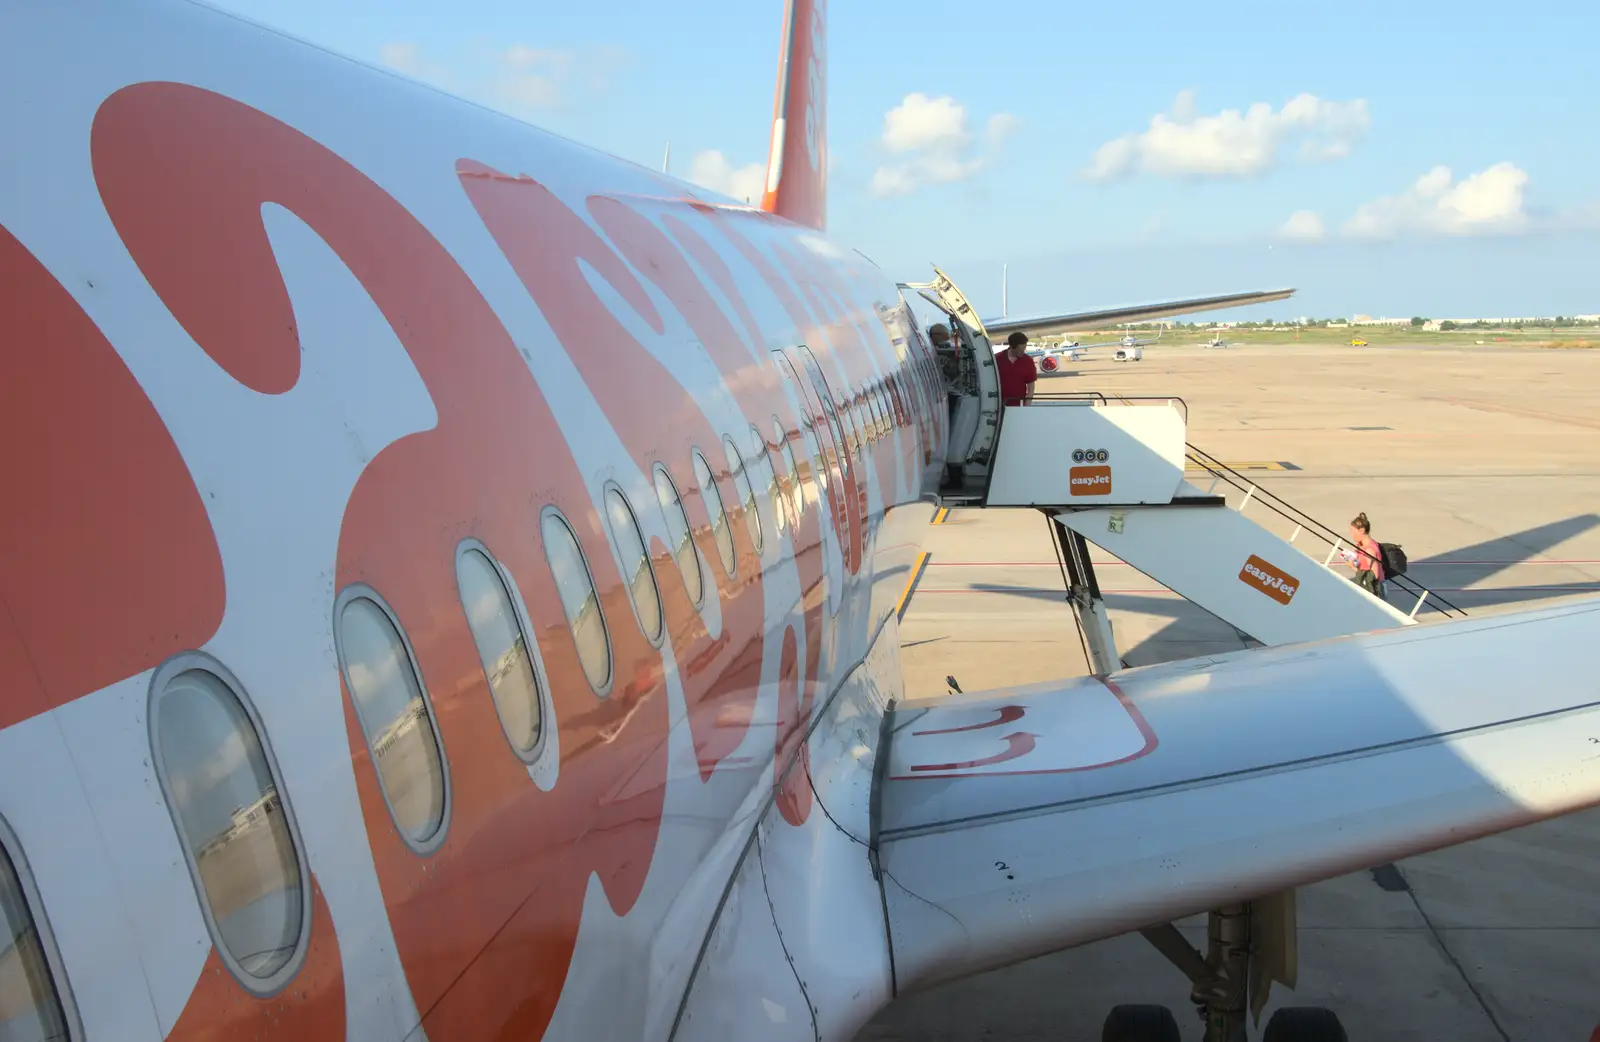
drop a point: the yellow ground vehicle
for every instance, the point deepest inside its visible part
(1358, 342)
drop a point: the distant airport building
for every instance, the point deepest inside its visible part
(1368, 320)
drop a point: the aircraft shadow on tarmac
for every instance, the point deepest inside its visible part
(1470, 565)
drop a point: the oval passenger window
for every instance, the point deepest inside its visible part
(678, 529)
(230, 816)
(502, 649)
(575, 586)
(30, 1003)
(767, 474)
(394, 716)
(719, 515)
(636, 569)
(796, 490)
(747, 492)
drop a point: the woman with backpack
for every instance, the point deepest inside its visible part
(1368, 557)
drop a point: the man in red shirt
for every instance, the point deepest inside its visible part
(1017, 371)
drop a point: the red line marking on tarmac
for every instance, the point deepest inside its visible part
(1124, 564)
(1574, 588)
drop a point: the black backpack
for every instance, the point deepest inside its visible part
(1394, 559)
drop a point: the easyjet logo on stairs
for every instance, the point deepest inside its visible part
(1260, 575)
(1090, 481)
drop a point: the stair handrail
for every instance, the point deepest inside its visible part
(1120, 399)
(1304, 521)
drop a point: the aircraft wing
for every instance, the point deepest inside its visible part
(1018, 822)
(1048, 325)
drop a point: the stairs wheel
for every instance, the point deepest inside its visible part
(1304, 1024)
(1140, 1024)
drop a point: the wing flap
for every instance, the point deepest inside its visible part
(1049, 325)
(1021, 822)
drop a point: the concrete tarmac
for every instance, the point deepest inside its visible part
(1484, 463)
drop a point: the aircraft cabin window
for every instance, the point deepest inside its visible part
(636, 570)
(766, 472)
(228, 809)
(31, 1007)
(575, 586)
(746, 490)
(395, 717)
(833, 422)
(901, 399)
(678, 530)
(502, 649)
(819, 458)
(796, 490)
(719, 514)
(852, 431)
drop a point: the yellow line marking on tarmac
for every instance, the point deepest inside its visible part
(911, 584)
(940, 515)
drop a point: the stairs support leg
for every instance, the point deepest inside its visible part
(1083, 593)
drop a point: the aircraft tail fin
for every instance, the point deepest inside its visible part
(797, 165)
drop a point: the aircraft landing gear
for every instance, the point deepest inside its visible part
(1304, 1024)
(1247, 947)
(1140, 1024)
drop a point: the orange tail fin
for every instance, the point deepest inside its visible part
(797, 167)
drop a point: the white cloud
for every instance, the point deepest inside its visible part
(1303, 224)
(1486, 202)
(920, 122)
(407, 58)
(1232, 143)
(531, 77)
(711, 169)
(933, 144)
(517, 78)
(403, 57)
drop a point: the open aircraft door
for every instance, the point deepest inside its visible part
(975, 423)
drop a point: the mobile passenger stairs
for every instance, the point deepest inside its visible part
(1114, 472)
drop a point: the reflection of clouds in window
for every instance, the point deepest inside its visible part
(819, 462)
(30, 1006)
(393, 718)
(763, 471)
(832, 417)
(678, 530)
(796, 490)
(502, 648)
(719, 515)
(635, 563)
(578, 600)
(232, 820)
(747, 492)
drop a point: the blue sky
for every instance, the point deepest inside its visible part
(1420, 158)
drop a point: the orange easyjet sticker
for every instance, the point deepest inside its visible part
(1090, 481)
(1260, 575)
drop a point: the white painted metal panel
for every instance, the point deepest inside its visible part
(1134, 454)
(1266, 769)
(1240, 572)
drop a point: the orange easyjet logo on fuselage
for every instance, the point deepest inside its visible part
(1090, 481)
(1260, 575)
